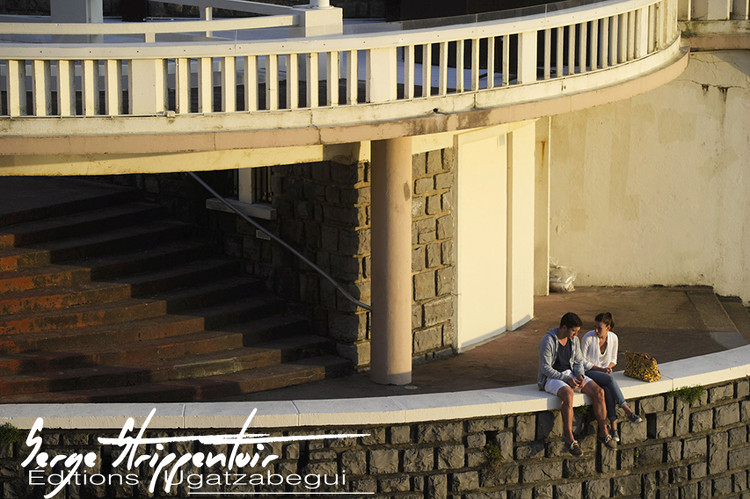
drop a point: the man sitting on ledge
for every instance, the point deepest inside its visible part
(561, 368)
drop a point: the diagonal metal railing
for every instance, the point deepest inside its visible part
(280, 241)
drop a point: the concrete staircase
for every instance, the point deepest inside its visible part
(103, 299)
(725, 318)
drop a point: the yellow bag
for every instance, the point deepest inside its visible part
(641, 366)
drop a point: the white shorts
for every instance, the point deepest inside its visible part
(552, 386)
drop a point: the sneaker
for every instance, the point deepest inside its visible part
(575, 448)
(615, 435)
(608, 441)
(635, 418)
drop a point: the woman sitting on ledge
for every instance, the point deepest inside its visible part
(600, 348)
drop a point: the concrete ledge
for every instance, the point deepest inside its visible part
(704, 370)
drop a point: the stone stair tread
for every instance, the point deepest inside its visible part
(89, 308)
(56, 295)
(142, 230)
(105, 263)
(220, 287)
(180, 270)
(740, 317)
(35, 341)
(22, 232)
(207, 388)
(51, 275)
(710, 311)
(221, 363)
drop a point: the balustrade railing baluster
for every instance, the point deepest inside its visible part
(490, 62)
(41, 87)
(409, 72)
(426, 70)
(66, 102)
(292, 81)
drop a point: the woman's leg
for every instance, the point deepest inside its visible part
(605, 381)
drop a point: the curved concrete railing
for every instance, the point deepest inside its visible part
(703, 370)
(321, 81)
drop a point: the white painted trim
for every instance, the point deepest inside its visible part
(732, 364)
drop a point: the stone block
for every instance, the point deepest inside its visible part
(531, 450)
(475, 459)
(739, 481)
(417, 316)
(549, 425)
(697, 470)
(347, 327)
(419, 164)
(543, 492)
(626, 459)
(423, 185)
(581, 467)
(476, 441)
(695, 448)
(400, 434)
(448, 158)
(681, 417)
(689, 490)
(726, 415)
(436, 487)
(669, 493)
(608, 460)
(745, 410)
(444, 180)
(717, 453)
(541, 472)
(678, 475)
(652, 405)
(497, 474)
(426, 237)
(525, 428)
(705, 488)
(737, 436)
(418, 258)
(439, 432)
(419, 459)
(434, 206)
(504, 442)
(660, 425)
(742, 389)
(633, 433)
(365, 485)
(354, 462)
(629, 485)
(383, 461)
(418, 207)
(433, 255)
(446, 201)
(450, 457)
(673, 451)
(376, 436)
(445, 281)
(719, 393)
(464, 481)
(701, 421)
(445, 226)
(485, 424)
(739, 458)
(648, 485)
(438, 310)
(447, 252)
(434, 161)
(428, 339)
(597, 489)
(424, 285)
(649, 455)
(722, 485)
(394, 484)
(527, 493)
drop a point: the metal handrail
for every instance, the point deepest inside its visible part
(281, 242)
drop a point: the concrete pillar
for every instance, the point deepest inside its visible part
(391, 341)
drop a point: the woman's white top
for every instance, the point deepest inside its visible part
(590, 347)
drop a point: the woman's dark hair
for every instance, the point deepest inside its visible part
(606, 319)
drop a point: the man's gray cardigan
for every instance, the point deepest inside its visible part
(548, 353)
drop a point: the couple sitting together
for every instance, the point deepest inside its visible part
(567, 366)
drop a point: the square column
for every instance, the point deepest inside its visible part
(391, 341)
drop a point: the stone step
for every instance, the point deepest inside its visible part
(101, 336)
(185, 274)
(37, 198)
(138, 353)
(158, 258)
(77, 317)
(77, 224)
(240, 311)
(40, 300)
(116, 241)
(22, 258)
(220, 387)
(225, 362)
(46, 276)
(211, 293)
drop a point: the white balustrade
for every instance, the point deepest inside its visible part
(213, 76)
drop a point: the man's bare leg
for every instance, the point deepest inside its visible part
(596, 394)
(566, 410)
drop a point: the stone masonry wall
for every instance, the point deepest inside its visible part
(323, 211)
(682, 450)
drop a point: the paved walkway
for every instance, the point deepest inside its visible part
(669, 323)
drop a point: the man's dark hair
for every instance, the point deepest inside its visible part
(571, 320)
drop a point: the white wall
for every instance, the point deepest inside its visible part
(656, 189)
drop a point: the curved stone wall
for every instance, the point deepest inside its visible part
(489, 443)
